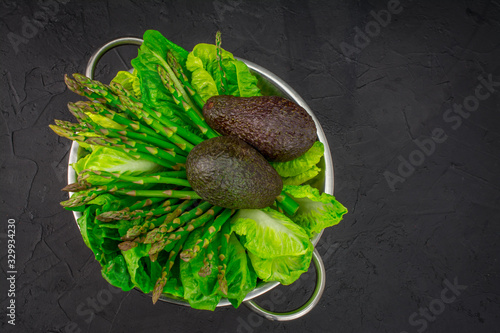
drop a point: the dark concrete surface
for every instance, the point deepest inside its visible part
(418, 251)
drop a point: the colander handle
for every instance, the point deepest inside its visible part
(304, 309)
(94, 59)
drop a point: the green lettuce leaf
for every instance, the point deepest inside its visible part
(247, 82)
(153, 53)
(174, 285)
(269, 234)
(86, 225)
(284, 269)
(103, 121)
(201, 79)
(113, 160)
(160, 45)
(143, 272)
(206, 75)
(303, 177)
(240, 275)
(129, 81)
(116, 273)
(198, 300)
(200, 291)
(302, 163)
(316, 211)
(279, 249)
(101, 241)
(106, 199)
(108, 239)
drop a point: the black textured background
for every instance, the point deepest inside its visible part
(388, 260)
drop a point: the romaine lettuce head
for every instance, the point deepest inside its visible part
(279, 249)
(268, 233)
(316, 211)
(113, 160)
(284, 269)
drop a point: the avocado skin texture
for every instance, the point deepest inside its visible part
(229, 173)
(278, 128)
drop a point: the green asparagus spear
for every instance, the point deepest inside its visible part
(148, 202)
(179, 72)
(160, 283)
(223, 257)
(139, 137)
(160, 194)
(69, 126)
(223, 81)
(135, 214)
(206, 269)
(287, 204)
(96, 177)
(82, 197)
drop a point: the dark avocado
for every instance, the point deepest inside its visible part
(229, 173)
(278, 128)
